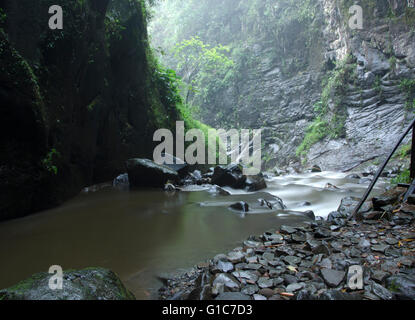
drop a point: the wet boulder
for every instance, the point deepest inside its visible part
(87, 284)
(121, 182)
(348, 205)
(231, 176)
(197, 177)
(353, 176)
(176, 164)
(226, 281)
(315, 168)
(169, 187)
(240, 206)
(388, 198)
(309, 214)
(271, 201)
(218, 190)
(336, 215)
(255, 183)
(146, 173)
(265, 203)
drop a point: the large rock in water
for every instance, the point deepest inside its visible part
(230, 176)
(176, 164)
(255, 183)
(121, 182)
(87, 284)
(146, 173)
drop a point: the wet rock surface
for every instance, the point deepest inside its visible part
(146, 173)
(86, 284)
(313, 261)
(232, 176)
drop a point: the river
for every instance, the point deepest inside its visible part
(141, 234)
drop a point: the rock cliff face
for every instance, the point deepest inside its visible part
(353, 87)
(75, 103)
(374, 105)
(378, 104)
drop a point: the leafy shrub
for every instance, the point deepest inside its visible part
(49, 162)
(317, 131)
(403, 177)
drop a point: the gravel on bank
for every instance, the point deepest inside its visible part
(320, 259)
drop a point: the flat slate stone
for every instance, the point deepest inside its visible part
(294, 287)
(227, 281)
(265, 282)
(248, 275)
(381, 291)
(292, 260)
(235, 256)
(250, 289)
(332, 277)
(232, 296)
(391, 241)
(287, 230)
(224, 266)
(379, 248)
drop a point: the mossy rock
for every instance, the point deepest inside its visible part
(86, 284)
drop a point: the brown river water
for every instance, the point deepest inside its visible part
(145, 233)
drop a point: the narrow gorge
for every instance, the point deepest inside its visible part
(105, 122)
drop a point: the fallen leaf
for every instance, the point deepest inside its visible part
(287, 294)
(291, 268)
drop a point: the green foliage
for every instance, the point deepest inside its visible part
(203, 68)
(404, 151)
(49, 162)
(168, 84)
(113, 28)
(3, 18)
(330, 123)
(409, 17)
(378, 86)
(211, 44)
(403, 177)
(408, 87)
(317, 131)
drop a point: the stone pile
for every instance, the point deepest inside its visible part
(313, 260)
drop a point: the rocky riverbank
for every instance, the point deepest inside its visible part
(313, 260)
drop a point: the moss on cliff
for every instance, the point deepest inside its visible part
(93, 92)
(330, 113)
